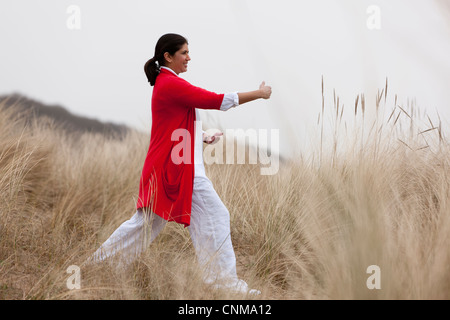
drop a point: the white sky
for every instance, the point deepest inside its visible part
(97, 71)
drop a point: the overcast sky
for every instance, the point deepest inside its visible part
(91, 61)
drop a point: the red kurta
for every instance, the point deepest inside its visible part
(166, 185)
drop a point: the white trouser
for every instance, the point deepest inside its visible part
(209, 230)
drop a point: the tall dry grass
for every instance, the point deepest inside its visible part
(373, 190)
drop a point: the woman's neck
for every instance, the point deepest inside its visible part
(164, 67)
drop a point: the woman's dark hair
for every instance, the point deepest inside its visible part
(170, 43)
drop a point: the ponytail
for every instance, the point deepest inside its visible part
(152, 69)
(170, 43)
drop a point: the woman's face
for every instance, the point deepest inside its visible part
(179, 61)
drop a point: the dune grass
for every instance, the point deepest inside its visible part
(373, 190)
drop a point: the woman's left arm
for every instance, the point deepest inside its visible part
(212, 139)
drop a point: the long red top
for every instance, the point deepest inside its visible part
(167, 178)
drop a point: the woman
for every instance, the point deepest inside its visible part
(173, 184)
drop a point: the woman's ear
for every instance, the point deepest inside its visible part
(167, 57)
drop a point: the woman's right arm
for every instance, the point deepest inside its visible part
(191, 96)
(263, 92)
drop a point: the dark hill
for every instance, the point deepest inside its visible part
(29, 109)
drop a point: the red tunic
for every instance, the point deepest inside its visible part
(166, 186)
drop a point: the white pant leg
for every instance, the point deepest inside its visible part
(210, 233)
(131, 237)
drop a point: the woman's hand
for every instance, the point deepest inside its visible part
(263, 92)
(212, 139)
(266, 91)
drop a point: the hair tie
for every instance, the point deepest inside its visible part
(158, 67)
